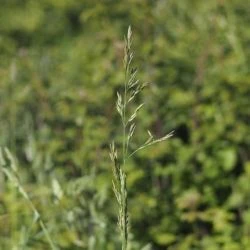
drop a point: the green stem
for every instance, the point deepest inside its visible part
(123, 190)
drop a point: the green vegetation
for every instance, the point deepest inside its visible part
(60, 72)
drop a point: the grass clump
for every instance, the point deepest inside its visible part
(9, 168)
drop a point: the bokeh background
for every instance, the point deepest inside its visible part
(60, 68)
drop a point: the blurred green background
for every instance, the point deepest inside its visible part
(60, 69)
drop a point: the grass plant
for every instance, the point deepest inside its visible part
(9, 168)
(131, 88)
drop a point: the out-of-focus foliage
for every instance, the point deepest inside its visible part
(60, 69)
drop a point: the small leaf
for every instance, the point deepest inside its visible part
(228, 158)
(129, 35)
(119, 105)
(131, 130)
(57, 190)
(165, 238)
(150, 133)
(133, 116)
